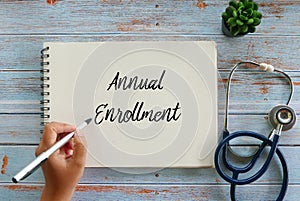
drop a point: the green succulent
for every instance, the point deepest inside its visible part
(242, 17)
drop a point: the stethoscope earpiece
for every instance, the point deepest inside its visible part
(284, 115)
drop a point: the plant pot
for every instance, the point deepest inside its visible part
(226, 31)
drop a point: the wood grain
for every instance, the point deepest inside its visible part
(277, 50)
(95, 17)
(152, 192)
(22, 129)
(174, 176)
(21, 92)
(25, 25)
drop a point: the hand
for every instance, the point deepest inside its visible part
(64, 168)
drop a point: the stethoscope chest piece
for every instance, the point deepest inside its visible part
(282, 114)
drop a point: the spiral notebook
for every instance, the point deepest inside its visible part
(153, 104)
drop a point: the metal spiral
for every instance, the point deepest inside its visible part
(45, 107)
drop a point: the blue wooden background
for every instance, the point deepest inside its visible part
(25, 25)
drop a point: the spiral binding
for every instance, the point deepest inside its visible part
(45, 107)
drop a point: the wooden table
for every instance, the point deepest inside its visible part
(25, 25)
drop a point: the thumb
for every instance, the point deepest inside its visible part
(79, 154)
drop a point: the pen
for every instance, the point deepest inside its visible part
(36, 163)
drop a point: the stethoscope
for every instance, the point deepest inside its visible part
(281, 117)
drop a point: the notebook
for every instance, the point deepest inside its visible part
(152, 103)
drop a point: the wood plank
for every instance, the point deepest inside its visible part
(153, 192)
(25, 128)
(21, 93)
(23, 52)
(20, 129)
(139, 17)
(164, 176)
(25, 83)
(258, 92)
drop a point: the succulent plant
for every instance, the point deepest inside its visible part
(242, 17)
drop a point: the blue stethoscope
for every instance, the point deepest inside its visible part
(281, 117)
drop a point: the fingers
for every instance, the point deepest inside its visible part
(79, 153)
(51, 133)
(68, 148)
(52, 130)
(61, 127)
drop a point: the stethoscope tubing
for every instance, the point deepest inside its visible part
(250, 165)
(222, 148)
(285, 177)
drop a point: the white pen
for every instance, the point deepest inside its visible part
(36, 163)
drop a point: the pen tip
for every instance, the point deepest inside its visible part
(88, 120)
(14, 180)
